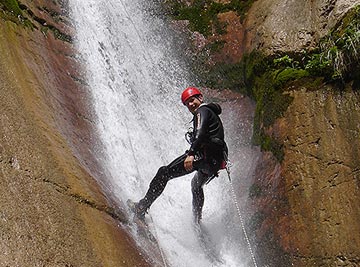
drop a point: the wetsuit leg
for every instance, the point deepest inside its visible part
(164, 174)
(207, 168)
(197, 184)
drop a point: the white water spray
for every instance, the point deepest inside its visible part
(136, 78)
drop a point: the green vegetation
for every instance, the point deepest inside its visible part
(11, 6)
(20, 14)
(60, 35)
(13, 11)
(202, 14)
(340, 49)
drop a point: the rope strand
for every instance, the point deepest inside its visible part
(243, 224)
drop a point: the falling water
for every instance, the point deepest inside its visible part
(135, 76)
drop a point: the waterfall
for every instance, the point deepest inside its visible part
(136, 75)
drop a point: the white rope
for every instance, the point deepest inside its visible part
(243, 224)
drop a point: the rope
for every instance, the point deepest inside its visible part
(242, 224)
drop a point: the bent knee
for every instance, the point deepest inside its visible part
(162, 171)
(162, 174)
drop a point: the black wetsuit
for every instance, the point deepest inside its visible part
(207, 146)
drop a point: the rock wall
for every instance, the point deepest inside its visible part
(306, 211)
(52, 211)
(290, 26)
(322, 174)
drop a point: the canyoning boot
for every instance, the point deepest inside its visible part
(138, 210)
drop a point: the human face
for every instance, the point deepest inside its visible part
(193, 103)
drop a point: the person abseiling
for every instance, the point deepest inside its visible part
(206, 155)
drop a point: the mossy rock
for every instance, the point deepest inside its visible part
(202, 14)
(255, 191)
(11, 6)
(289, 74)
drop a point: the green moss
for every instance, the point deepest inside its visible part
(226, 76)
(281, 77)
(255, 191)
(216, 46)
(266, 78)
(12, 6)
(60, 35)
(241, 7)
(57, 33)
(318, 66)
(269, 143)
(14, 12)
(202, 14)
(239, 76)
(197, 17)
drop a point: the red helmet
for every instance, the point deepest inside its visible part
(189, 92)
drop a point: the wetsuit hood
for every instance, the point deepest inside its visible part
(214, 107)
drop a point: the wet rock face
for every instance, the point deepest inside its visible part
(313, 194)
(52, 211)
(271, 26)
(322, 175)
(233, 39)
(306, 214)
(282, 25)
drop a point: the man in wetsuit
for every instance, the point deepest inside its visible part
(207, 155)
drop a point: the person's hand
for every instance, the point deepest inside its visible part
(188, 163)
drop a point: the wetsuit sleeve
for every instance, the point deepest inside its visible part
(201, 125)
